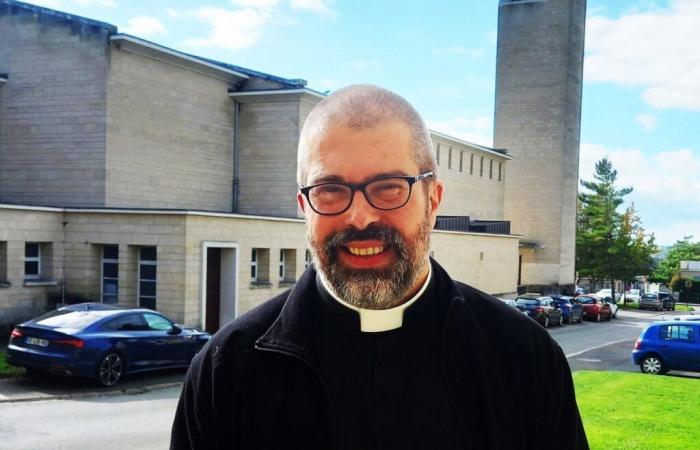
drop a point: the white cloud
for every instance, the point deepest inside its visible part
(145, 26)
(477, 130)
(647, 122)
(655, 50)
(234, 30)
(319, 7)
(172, 12)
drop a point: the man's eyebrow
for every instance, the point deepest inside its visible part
(339, 179)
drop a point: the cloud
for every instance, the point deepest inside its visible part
(319, 7)
(655, 50)
(233, 30)
(665, 186)
(647, 122)
(145, 26)
(477, 130)
(172, 12)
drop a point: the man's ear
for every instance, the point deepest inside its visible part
(435, 198)
(301, 202)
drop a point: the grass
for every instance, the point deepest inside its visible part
(679, 306)
(8, 371)
(628, 411)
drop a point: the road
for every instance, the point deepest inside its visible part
(143, 421)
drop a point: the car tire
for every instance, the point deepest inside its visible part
(597, 317)
(652, 365)
(110, 369)
(546, 321)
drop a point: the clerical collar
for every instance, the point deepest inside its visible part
(377, 320)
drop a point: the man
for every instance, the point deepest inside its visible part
(376, 347)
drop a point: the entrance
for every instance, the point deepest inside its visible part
(219, 283)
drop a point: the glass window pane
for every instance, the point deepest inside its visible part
(110, 252)
(111, 299)
(110, 287)
(148, 253)
(110, 270)
(31, 268)
(31, 250)
(147, 272)
(147, 302)
(254, 255)
(147, 288)
(158, 323)
(132, 322)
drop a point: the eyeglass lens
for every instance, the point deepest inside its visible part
(386, 193)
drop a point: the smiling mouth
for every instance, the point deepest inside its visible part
(368, 251)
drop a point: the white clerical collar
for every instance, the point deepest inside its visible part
(375, 320)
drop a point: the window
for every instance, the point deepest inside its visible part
(147, 277)
(3, 262)
(254, 264)
(110, 273)
(282, 267)
(471, 164)
(449, 158)
(307, 259)
(437, 154)
(157, 323)
(481, 167)
(461, 160)
(683, 333)
(491, 169)
(130, 322)
(500, 166)
(32, 261)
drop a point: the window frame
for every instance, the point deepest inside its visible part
(254, 264)
(37, 259)
(143, 262)
(104, 261)
(282, 268)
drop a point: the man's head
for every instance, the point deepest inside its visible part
(371, 256)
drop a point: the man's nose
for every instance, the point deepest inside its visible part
(361, 214)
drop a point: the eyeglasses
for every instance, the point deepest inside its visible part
(384, 193)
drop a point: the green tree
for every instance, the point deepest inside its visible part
(682, 250)
(610, 245)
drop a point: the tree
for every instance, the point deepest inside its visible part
(610, 245)
(682, 250)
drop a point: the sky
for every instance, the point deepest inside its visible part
(641, 93)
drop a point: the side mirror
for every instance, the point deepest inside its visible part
(175, 330)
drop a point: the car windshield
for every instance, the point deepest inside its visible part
(650, 296)
(528, 301)
(586, 300)
(68, 319)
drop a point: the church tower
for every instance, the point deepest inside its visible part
(539, 73)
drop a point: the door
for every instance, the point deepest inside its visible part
(213, 299)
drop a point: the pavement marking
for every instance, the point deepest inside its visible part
(589, 360)
(571, 355)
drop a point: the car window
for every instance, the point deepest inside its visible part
(71, 319)
(527, 301)
(683, 333)
(130, 322)
(157, 323)
(651, 296)
(586, 300)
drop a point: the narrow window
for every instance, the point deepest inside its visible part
(481, 167)
(32, 261)
(471, 164)
(449, 158)
(490, 169)
(3, 262)
(500, 167)
(110, 273)
(282, 266)
(147, 277)
(437, 154)
(254, 264)
(461, 160)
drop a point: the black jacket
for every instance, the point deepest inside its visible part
(258, 385)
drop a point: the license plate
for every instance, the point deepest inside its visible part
(37, 341)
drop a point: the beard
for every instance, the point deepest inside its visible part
(381, 288)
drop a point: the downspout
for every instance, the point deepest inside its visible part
(236, 155)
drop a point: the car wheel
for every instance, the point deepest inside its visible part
(653, 365)
(110, 369)
(561, 320)
(597, 317)
(546, 321)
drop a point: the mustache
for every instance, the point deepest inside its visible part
(374, 232)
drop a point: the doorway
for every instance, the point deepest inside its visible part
(219, 284)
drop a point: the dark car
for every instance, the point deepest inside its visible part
(540, 308)
(668, 345)
(103, 344)
(657, 301)
(570, 308)
(594, 308)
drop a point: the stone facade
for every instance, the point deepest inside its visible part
(537, 119)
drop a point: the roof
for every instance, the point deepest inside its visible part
(499, 151)
(12, 7)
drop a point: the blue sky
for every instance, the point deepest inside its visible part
(641, 95)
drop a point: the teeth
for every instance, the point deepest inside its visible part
(366, 251)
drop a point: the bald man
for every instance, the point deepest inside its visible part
(376, 347)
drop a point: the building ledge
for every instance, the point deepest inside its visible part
(286, 283)
(260, 285)
(35, 283)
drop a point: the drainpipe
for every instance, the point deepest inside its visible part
(236, 155)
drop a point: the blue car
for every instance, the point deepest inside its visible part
(102, 343)
(570, 309)
(668, 345)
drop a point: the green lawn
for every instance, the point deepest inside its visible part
(679, 307)
(623, 410)
(6, 370)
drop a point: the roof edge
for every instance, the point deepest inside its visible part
(500, 152)
(11, 4)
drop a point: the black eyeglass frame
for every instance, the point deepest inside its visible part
(354, 187)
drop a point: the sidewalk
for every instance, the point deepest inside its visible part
(33, 388)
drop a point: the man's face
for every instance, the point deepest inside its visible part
(372, 258)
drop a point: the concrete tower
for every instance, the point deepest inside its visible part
(539, 75)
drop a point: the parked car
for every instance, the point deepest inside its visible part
(604, 293)
(633, 295)
(613, 306)
(103, 344)
(668, 345)
(658, 301)
(540, 308)
(510, 302)
(594, 307)
(580, 291)
(690, 317)
(570, 308)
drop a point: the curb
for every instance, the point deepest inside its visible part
(92, 394)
